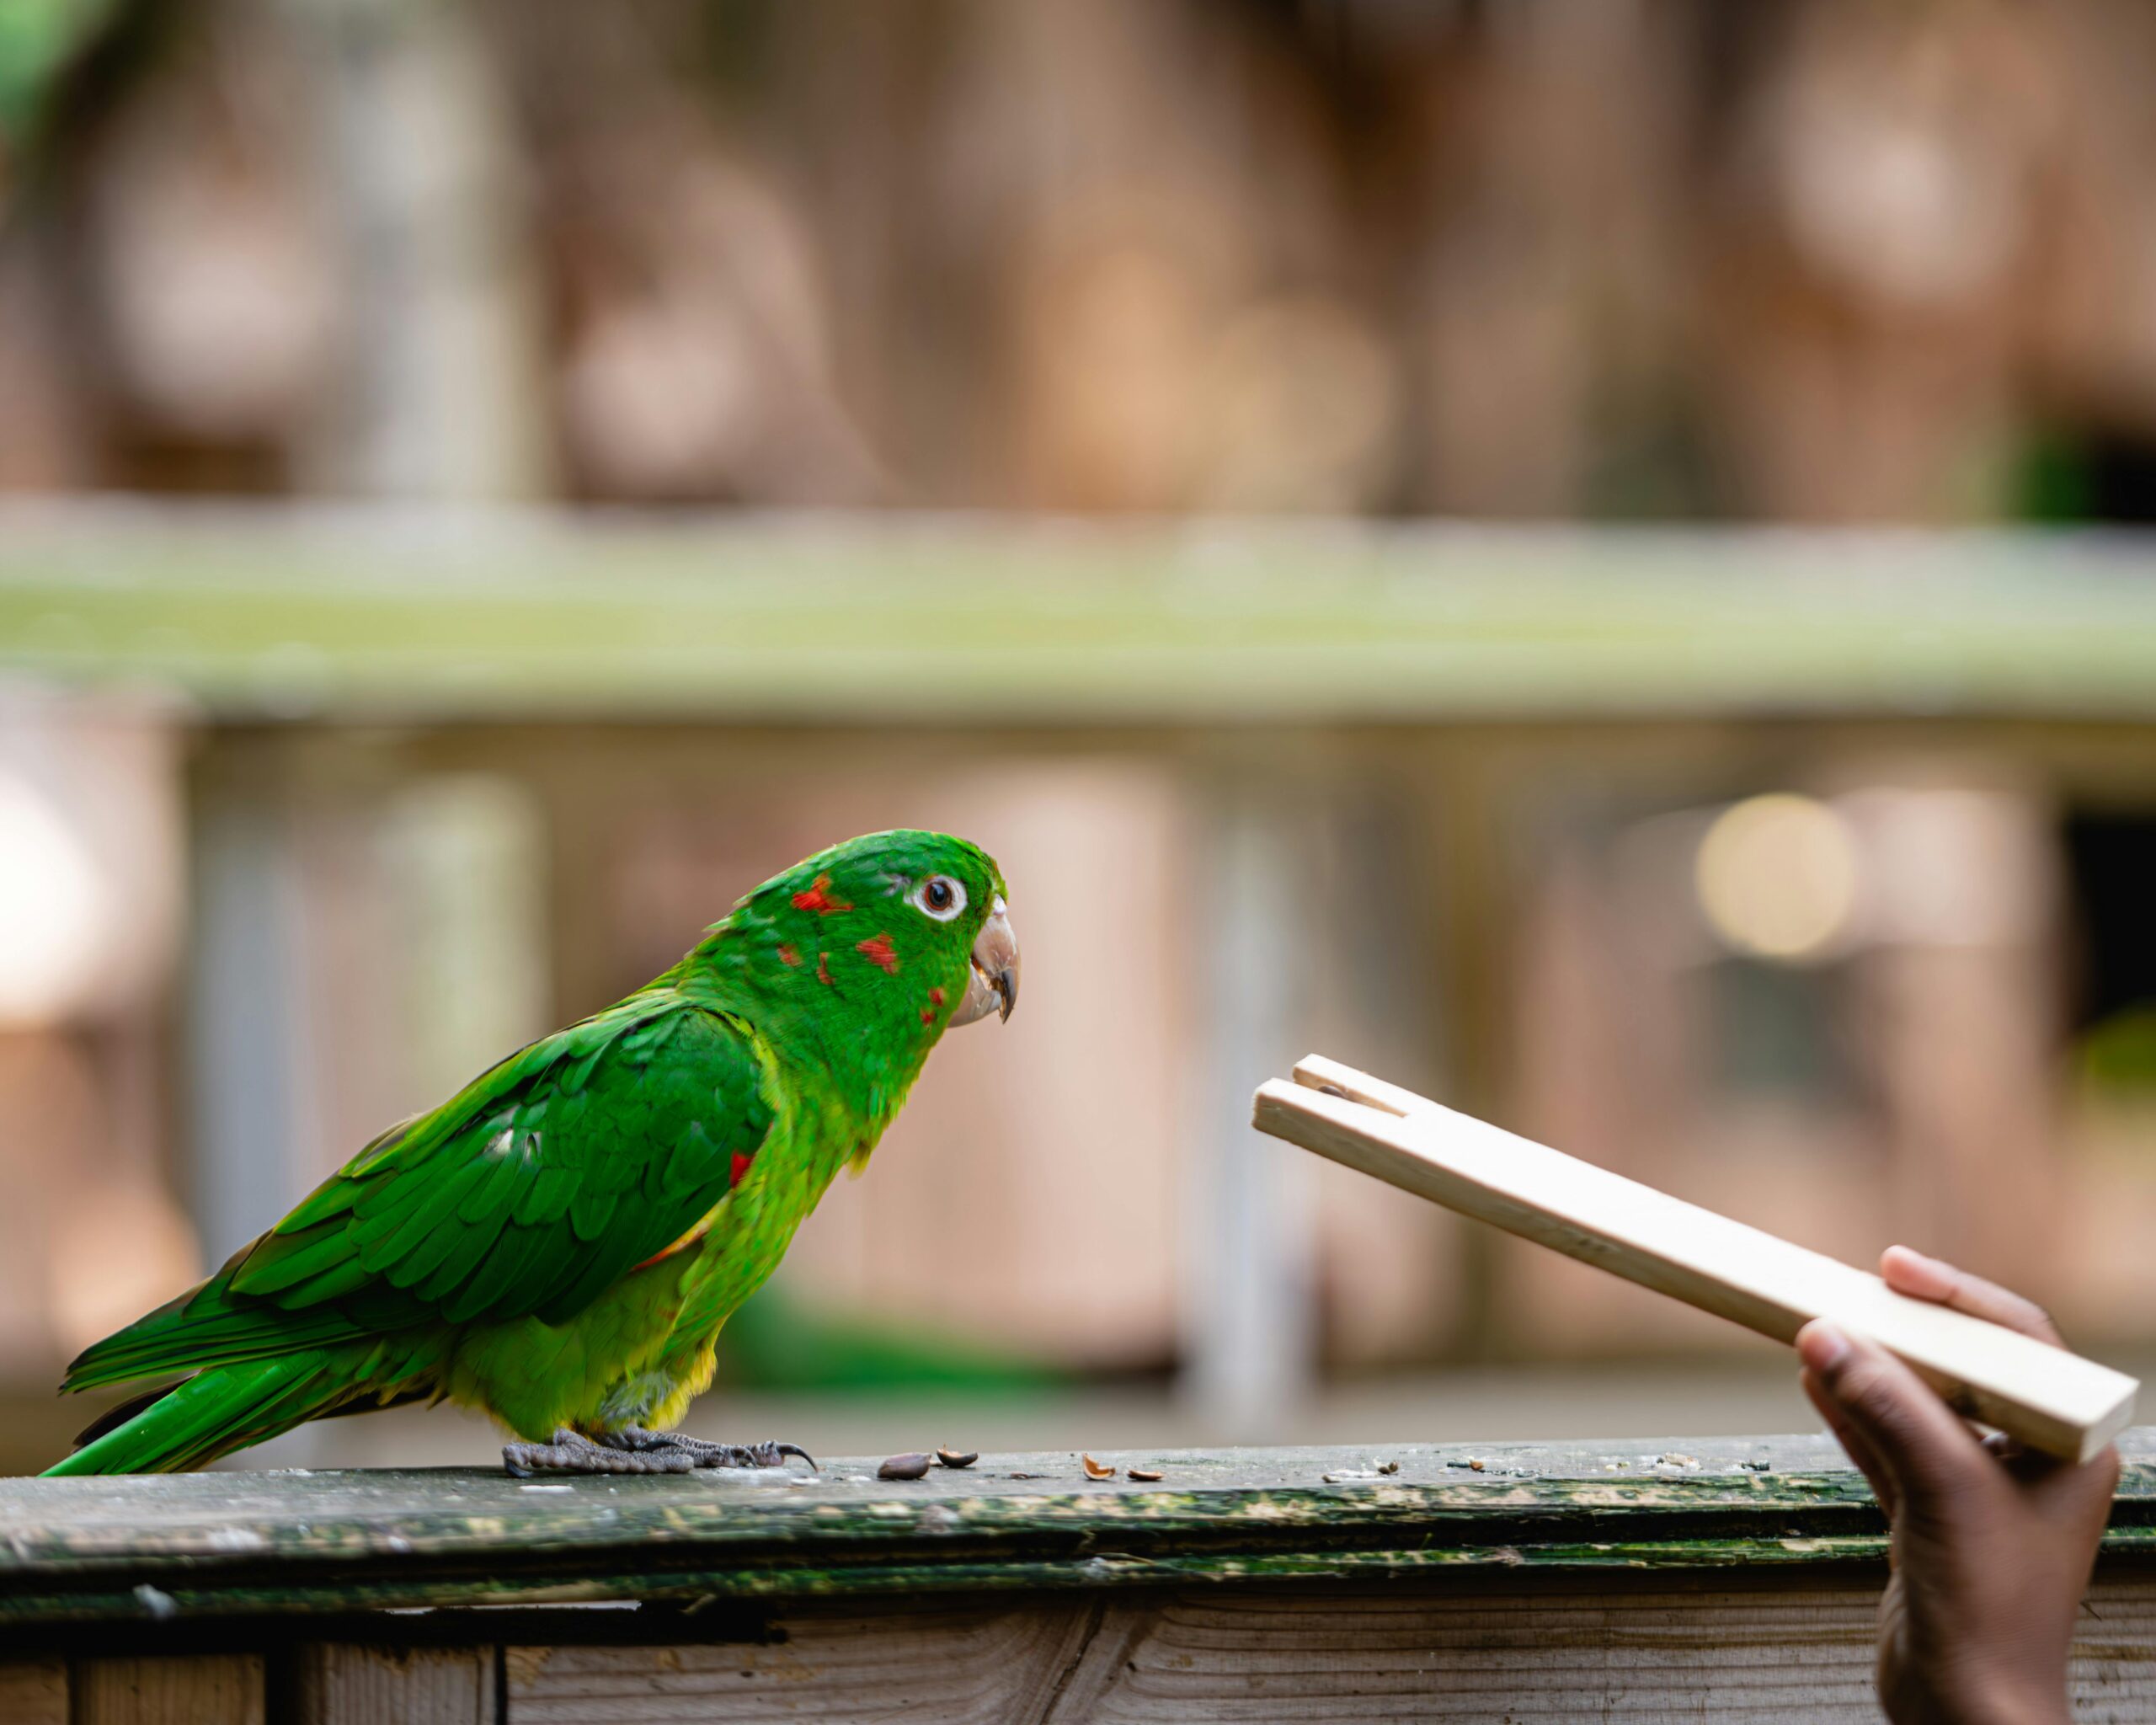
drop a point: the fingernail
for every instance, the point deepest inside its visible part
(1822, 1346)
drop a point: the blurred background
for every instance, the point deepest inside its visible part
(1580, 554)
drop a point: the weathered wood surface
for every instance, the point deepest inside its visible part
(1681, 1580)
(1802, 1654)
(34, 1692)
(171, 1548)
(221, 1689)
(1671, 1648)
(370, 1685)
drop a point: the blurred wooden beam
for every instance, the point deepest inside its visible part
(401, 615)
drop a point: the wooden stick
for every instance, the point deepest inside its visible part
(2051, 1400)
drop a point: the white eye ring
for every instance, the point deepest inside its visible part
(923, 898)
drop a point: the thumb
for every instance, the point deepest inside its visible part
(1922, 1443)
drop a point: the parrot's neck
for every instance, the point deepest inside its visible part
(866, 1042)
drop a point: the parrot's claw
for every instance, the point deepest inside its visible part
(702, 1452)
(634, 1450)
(571, 1452)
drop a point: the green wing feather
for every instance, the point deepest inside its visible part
(535, 1187)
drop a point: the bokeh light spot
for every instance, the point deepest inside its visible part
(53, 910)
(1777, 877)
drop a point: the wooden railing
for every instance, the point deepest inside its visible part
(265, 614)
(1396, 1582)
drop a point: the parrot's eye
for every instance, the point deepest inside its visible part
(939, 896)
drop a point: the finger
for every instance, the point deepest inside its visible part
(1922, 1443)
(1921, 1277)
(2025, 1465)
(1851, 1440)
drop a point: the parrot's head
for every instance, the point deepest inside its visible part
(911, 927)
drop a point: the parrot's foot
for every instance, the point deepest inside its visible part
(634, 1450)
(571, 1452)
(702, 1452)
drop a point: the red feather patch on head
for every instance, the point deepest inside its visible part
(824, 968)
(786, 955)
(740, 1167)
(879, 952)
(928, 1015)
(936, 997)
(818, 898)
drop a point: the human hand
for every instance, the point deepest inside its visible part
(1992, 1545)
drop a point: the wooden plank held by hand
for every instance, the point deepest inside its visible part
(2049, 1399)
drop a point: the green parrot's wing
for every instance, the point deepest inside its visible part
(539, 1184)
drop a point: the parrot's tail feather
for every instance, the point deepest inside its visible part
(206, 1326)
(251, 1337)
(223, 1408)
(429, 1391)
(115, 1416)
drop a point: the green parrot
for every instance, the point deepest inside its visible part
(559, 1243)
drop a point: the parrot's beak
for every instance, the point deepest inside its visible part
(993, 986)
